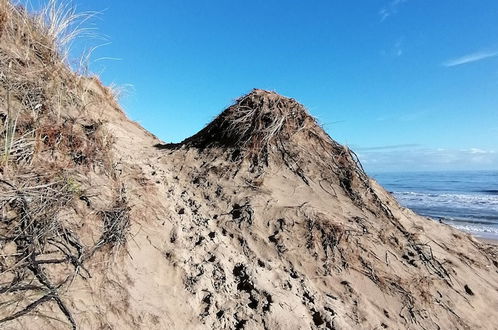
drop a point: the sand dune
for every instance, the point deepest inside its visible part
(259, 221)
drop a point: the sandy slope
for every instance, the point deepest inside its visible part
(215, 244)
(259, 221)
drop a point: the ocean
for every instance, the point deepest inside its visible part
(467, 200)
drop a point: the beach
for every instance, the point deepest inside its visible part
(489, 241)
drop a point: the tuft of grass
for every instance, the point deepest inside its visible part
(47, 33)
(119, 91)
(62, 24)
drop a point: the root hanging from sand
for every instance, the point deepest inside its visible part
(35, 230)
(40, 239)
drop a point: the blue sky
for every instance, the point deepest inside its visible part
(408, 84)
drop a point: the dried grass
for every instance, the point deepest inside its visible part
(254, 122)
(43, 141)
(116, 221)
(48, 32)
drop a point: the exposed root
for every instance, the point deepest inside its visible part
(116, 223)
(34, 228)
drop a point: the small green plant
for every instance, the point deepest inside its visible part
(73, 186)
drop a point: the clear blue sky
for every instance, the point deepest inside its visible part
(408, 84)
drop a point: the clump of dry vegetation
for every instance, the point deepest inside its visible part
(45, 138)
(255, 121)
(264, 124)
(116, 222)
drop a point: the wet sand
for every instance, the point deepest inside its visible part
(488, 240)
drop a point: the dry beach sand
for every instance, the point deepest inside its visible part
(259, 221)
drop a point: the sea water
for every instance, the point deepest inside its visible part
(467, 200)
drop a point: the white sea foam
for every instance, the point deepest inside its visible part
(460, 201)
(467, 200)
(475, 214)
(477, 230)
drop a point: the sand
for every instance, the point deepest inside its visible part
(216, 243)
(488, 241)
(259, 221)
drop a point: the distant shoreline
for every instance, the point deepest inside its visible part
(465, 200)
(488, 240)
